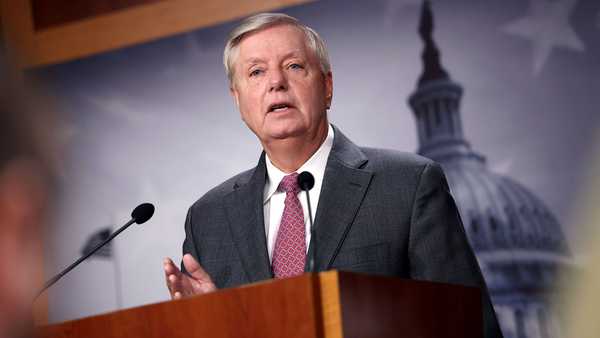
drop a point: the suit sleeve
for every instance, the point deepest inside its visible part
(438, 246)
(189, 244)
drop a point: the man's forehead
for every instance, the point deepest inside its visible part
(281, 39)
(258, 57)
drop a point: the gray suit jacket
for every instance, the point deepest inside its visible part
(380, 212)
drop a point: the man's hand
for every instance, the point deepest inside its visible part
(181, 285)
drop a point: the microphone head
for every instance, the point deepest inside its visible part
(142, 213)
(306, 181)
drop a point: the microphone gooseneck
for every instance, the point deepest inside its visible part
(139, 215)
(306, 181)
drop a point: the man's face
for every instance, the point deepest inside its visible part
(278, 84)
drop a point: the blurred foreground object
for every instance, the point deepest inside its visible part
(26, 183)
(581, 298)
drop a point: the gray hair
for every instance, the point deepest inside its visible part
(265, 20)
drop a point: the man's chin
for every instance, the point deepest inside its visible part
(285, 131)
(283, 135)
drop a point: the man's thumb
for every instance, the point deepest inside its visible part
(194, 269)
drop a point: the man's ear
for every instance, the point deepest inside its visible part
(328, 89)
(235, 95)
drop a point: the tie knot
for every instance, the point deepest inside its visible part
(289, 184)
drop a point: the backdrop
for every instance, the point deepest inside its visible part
(155, 122)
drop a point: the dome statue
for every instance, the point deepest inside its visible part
(518, 242)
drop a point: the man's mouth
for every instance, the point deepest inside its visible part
(278, 107)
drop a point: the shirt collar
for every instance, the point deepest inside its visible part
(315, 165)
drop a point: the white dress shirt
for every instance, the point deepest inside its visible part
(273, 202)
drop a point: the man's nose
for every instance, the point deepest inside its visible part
(277, 81)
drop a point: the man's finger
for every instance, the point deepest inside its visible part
(175, 283)
(179, 285)
(172, 274)
(170, 283)
(170, 267)
(194, 269)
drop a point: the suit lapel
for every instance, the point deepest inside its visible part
(344, 187)
(244, 207)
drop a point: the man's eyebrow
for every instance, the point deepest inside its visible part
(293, 53)
(254, 60)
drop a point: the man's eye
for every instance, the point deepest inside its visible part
(295, 66)
(255, 72)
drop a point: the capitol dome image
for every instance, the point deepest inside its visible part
(517, 240)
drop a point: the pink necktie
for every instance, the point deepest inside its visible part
(289, 254)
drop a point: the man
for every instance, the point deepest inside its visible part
(375, 211)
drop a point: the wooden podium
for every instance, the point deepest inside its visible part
(325, 305)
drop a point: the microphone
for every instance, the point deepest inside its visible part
(141, 214)
(306, 181)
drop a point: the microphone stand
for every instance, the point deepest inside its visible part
(306, 181)
(311, 259)
(56, 278)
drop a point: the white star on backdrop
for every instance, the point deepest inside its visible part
(548, 27)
